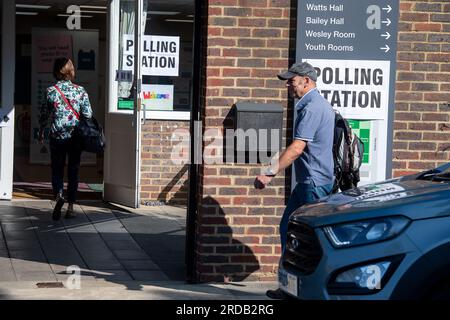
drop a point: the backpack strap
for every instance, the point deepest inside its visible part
(77, 115)
(345, 126)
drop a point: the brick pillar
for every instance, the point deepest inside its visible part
(422, 128)
(248, 43)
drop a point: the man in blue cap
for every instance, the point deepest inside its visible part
(312, 148)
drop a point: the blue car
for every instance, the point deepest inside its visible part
(389, 240)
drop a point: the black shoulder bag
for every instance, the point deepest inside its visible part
(88, 133)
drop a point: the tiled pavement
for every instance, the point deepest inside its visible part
(122, 253)
(35, 248)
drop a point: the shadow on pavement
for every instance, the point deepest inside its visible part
(107, 242)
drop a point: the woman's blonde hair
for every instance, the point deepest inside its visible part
(63, 69)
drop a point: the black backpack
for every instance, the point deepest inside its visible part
(348, 150)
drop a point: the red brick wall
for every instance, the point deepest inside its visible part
(161, 179)
(248, 43)
(422, 116)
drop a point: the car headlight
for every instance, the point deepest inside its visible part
(365, 232)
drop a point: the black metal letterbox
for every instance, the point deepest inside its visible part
(261, 120)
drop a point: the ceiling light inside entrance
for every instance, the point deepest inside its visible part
(89, 11)
(75, 16)
(178, 20)
(26, 13)
(32, 6)
(164, 13)
(93, 7)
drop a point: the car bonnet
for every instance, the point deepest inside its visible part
(415, 199)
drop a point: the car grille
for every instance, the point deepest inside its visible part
(303, 252)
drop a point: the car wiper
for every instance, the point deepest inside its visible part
(428, 174)
(444, 176)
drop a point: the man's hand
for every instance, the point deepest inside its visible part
(262, 181)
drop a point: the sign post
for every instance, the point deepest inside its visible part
(352, 45)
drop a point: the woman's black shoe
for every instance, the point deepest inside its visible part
(276, 294)
(57, 210)
(69, 214)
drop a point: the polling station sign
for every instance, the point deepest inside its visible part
(359, 89)
(160, 55)
(353, 46)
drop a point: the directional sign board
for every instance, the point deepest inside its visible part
(347, 29)
(353, 44)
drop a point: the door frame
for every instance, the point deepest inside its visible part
(195, 148)
(8, 63)
(114, 192)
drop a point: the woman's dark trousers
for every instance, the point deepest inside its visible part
(60, 149)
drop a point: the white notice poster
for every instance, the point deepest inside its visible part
(157, 97)
(160, 55)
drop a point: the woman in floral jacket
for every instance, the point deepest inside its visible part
(66, 102)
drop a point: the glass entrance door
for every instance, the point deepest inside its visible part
(7, 64)
(122, 129)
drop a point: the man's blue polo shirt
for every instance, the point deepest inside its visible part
(315, 125)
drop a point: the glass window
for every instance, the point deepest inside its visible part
(125, 77)
(167, 55)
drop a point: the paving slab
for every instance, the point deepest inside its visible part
(56, 244)
(66, 260)
(4, 252)
(117, 237)
(112, 275)
(122, 245)
(87, 254)
(6, 269)
(17, 225)
(7, 274)
(138, 290)
(28, 255)
(24, 244)
(64, 277)
(20, 235)
(148, 275)
(61, 267)
(27, 275)
(104, 264)
(138, 254)
(139, 265)
(122, 254)
(26, 265)
(82, 230)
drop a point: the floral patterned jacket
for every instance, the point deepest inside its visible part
(62, 119)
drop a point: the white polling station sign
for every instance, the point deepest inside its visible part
(358, 89)
(160, 55)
